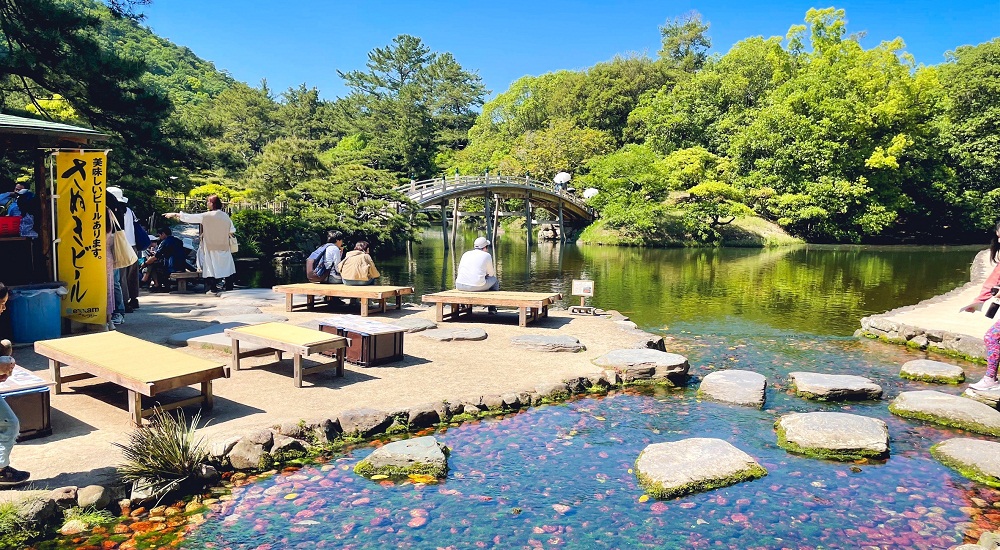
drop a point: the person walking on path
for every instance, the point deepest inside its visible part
(476, 272)
(215, 258)
(357, 267)
(9, 425)
(992, 337)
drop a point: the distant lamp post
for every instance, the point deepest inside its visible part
(561, 179)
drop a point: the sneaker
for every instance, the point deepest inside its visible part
(986, 383)
(492, 310)
(117, 319)
(133, 303)
(10, 478)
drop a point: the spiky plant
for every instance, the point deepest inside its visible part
(163, 455)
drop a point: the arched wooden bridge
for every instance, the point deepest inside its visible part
(436, 194)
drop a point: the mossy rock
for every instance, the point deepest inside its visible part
(672, 469)
(937, 372)
(833, 435)
(947, 410)
(419, 455)
(975, 459)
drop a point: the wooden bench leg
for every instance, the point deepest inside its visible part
(381, 305)
(364, 307)
(277, 355)
(522, 316)
(182, 285)
(545, 311)
(310, 301)
(236, 353)
(54, 371)
(206, 395)
(288, 301)
(440, 312)
(399, 301)
(297, 373)
(340, 361)
(135, 407)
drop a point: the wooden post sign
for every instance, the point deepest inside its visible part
(582, 288)
(82, 247)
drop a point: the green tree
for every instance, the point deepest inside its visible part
(283, 164)
(244, 119)
(561, 147)
(685, 43)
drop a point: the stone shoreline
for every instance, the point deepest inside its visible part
(935, 323)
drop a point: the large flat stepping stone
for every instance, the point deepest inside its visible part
(251, 318)
(975, 459)
(414, 324)
(542, 342)
(990, 397)
(212, 337)
(925, 370)
(452, 334)
(416, 456)
(673, 469)
(834, 387)
(833, 435)
(739, 387)
(948, 410)
(223, 311)
(645, 364)
(254, 294)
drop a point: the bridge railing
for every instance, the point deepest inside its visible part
(424, 190)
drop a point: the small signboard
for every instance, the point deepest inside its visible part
(583, 288)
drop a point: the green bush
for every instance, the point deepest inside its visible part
(14, 531)
(164, 456)
(263, 233)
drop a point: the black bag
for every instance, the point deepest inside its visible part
(316, 270)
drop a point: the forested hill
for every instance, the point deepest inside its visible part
(813, 132)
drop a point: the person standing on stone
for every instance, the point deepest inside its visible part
(9, 425)
(215, 259)
(992, 337)
(476, 272)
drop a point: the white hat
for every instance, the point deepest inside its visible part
(117, 192)
(481, 243)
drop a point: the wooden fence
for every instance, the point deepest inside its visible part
(186, 204)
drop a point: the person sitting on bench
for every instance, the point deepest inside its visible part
(170, 257)
(476, 272)
(9, 425)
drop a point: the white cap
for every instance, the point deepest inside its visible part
(117, 192)
(481, 243)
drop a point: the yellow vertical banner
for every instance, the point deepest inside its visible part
(82, 250)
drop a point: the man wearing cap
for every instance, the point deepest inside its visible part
(476, 272)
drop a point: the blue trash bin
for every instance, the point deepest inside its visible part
(34, 314)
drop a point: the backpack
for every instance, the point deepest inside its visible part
(316, 270)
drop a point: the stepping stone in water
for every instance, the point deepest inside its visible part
(415, 324)
(673, 469)
(833, 435)
(418, 455)
(739, 387)
(834, 387)
(450, 334)
(975, 459)
(925, 370)
(646, 364)
(948, 410)
(541, 342)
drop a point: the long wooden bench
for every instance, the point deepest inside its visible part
(363, 293)
(143, 368)
(182, 278)
(530, 305)
(281, 337)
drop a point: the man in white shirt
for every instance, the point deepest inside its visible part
(476, 272)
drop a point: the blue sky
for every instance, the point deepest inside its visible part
(307, 41)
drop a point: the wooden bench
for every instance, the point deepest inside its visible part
(530, 305)
(281, 337)
(182, 278)
(363, 293)
(141, 367)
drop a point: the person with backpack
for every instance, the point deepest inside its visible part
(321, 265)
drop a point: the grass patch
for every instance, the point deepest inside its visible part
(164, 455)
(14, 531)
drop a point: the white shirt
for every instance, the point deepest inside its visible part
(129, 226)
(332, 257)
(474, 267)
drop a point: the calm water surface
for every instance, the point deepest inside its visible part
(559, 476)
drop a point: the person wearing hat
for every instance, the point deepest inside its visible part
(130, 274)
(476, 272)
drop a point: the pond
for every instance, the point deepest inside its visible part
(560, 475)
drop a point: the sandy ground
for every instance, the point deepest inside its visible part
(91, 415)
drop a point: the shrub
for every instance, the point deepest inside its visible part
(263, 233)
(14, 530)
(164, 455)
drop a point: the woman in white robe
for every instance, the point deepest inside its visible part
(215, 260)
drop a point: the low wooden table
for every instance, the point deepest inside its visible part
(141, 367)
(281, 337)
(363, 293)
(530, 305)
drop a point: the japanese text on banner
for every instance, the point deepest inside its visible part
(82, 250)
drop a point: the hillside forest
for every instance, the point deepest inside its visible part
(812, 132)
